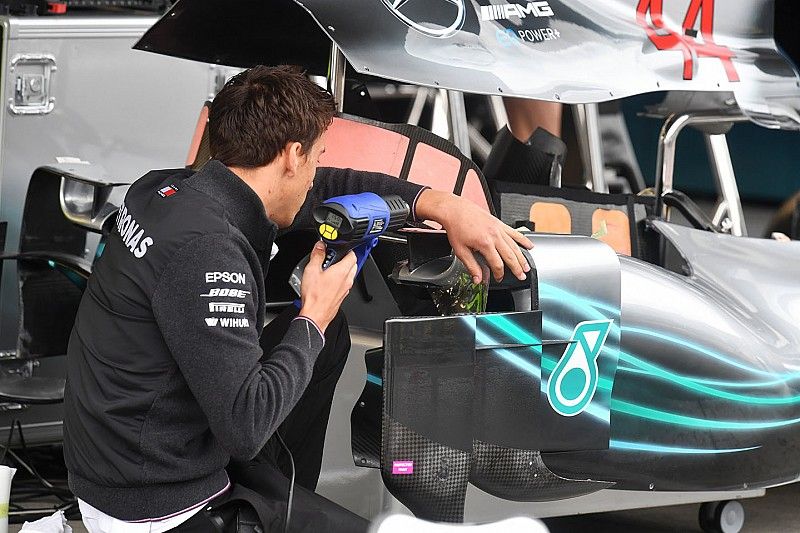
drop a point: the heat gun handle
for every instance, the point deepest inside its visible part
(296, 279)
(335, 252)
(362, 250)
(333, 255)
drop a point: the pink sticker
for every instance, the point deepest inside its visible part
(402, 468)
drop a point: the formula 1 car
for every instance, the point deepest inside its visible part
(643, 362)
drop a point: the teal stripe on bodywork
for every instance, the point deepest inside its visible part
(671, 339)
(550, 292)
(677, 450)
(666, 417)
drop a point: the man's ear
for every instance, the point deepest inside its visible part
(293, 157)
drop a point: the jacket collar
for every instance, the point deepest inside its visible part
(242, 205)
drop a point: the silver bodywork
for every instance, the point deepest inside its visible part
(591, 51)
(756, 282)
(740, 297)
(123, 111)
(362, 491)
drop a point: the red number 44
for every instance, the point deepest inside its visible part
(686, 41)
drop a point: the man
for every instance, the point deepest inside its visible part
(170, 377)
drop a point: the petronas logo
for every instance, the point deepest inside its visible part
(574, 381)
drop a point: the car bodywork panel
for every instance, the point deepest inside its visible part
(707, 393)
(572, 51)
(698, 386)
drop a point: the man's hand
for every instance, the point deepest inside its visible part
(472, 229)
(323, 291)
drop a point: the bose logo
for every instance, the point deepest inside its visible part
(225, 277)
(506, 11)
(225, 307)
(230, 293)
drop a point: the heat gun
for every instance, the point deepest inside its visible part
(353, 222)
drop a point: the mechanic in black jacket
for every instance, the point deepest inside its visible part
(172, 376)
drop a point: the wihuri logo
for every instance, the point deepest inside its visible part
(574, 381)
(452, 16)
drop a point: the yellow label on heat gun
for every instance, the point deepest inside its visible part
(328, 232)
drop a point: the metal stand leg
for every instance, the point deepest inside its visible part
(498, 112)
(458, 121)
(420, 99)
(337, 67)
(587, 126)
(440, 121)
(667, 141)
(66, 500)
(721, 164)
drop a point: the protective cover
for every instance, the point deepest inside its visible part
(572, 51)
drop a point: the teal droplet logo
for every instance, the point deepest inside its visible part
(573, 382)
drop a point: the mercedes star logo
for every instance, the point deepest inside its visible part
(435, 18)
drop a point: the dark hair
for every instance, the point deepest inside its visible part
(262, 109)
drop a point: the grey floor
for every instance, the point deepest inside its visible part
(777, 512)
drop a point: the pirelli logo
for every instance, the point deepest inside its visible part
(225, 307)
(521, 11)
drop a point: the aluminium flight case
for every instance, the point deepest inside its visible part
(73, 89)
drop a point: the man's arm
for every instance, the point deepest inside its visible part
(330, 182)
(473, 229)
(469, 227)
(209, 323)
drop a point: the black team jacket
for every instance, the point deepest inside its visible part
(166, 381)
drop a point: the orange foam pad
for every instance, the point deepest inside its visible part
(473, 190)
(359, 146)
(364, 147)
(202, 123)
(434, 168)
(618, 232)
(551, 218)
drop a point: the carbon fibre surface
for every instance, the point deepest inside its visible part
(521, 475)
(437, 488)
(365, 419)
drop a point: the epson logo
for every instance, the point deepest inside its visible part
(521, 11)
(435, 18)
(225, 277)
(225, 307)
